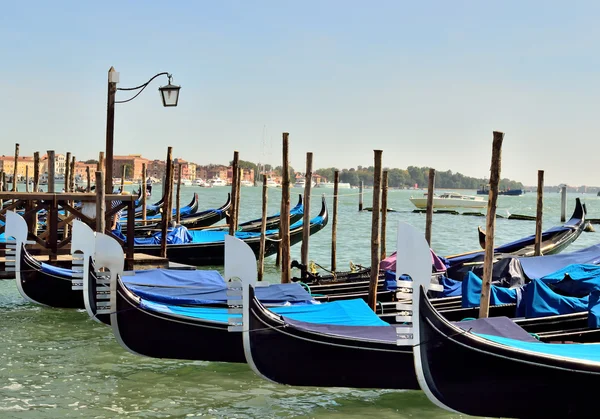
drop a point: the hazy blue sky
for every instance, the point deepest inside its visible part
(427, 82)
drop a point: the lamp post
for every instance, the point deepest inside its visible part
(169, 95)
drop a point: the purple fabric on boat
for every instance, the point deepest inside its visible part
(389, 263)
(496, 326)
(374, 333)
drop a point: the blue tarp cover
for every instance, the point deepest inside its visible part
(452, 288)
(540, 266)
(55, 270)
(594, 310)
(348, 312)
(540, 300)
(583, 351)
(471, 292)
(576, 280)
(274, 294)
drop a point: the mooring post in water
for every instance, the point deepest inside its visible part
(306, 214)
(72, 181)
(144, 193)
(234, 175)
(263, 229)
(36, 171)
(166, 214)
(67, 172)
(429, 214)
(285, 213)
(1, 187)
(488, 263)
(178, 196)
(51, 171)
(360, 196)
(26, 178)
(384, 191)
(375, 233)
(100, 165)
(336, 181)
(89, 179)
(100, 202)
(238, 196)
(563, 203)
(14, 179)
(539, 214)
(123, 172)
(113, 77)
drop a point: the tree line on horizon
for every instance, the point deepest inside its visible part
(397, 178)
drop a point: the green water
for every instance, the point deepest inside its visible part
(59, 363)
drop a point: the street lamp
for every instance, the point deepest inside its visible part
(169, 95)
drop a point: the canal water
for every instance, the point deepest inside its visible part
(59, 363)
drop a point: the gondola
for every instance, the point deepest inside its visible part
(554, 240)
(190, 220)
(154, 210)
(296, 213)
(207, 247)
(506, 373)
(46, 284)
(153, 327)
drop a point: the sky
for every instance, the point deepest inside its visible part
(426, 82)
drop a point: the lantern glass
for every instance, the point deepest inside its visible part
(169, 94)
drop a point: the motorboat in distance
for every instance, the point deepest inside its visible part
(450, 200)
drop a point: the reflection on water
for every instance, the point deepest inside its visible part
(59, 363)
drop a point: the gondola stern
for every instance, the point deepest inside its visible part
(16, 227)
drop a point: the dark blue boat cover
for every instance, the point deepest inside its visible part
(57, 271)
(471, 292)
(539, 300)
(540, 266)
(496, 326)
(181, 235)
(180, 287)
(594, 310)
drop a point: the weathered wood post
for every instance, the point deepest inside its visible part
(100, 202)
(1, 187)
(72, 180)
(89, 180)
(563, 203)
(26, 178)
(488, 263)
(67, 173)
(429, 214)
(166, 214)
(384, 192)
(178, 196)
(234, 176)
(263, 228)
(100, 165)
(36, 171)
(539, 214)
(51, 171)
(123, 172)
(306, 214)
(285, 213)
(15, 172)
(360, 196)
(375, 234)
(144, 193)
(336, 181)
(238, 196)
(110, 127)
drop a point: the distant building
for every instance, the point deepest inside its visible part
(188, 169)
(133, 162)
(7, 165)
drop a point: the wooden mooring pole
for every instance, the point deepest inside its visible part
(178, 196)
(285, 213)
(384, 191)
(72, 181)
(375, 233)
(123, 172)
(429, 215)
(306, 215)
(238, 196)
(539, 214)
(67, 172)
(100, 165)
(15, 171)
(563, 203)
(336, 181)
(26, 178)
(234, 176)
(36, 172)
(263, 229)
(360, 196)
(166, 214)
(100, 202)
(144, 193)
(89, 180)
(488, 263)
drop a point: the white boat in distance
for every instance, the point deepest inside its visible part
(330, 185)
(186, 182)
(246, 183)
(216, 181)
(301, 183)
(450, 200)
